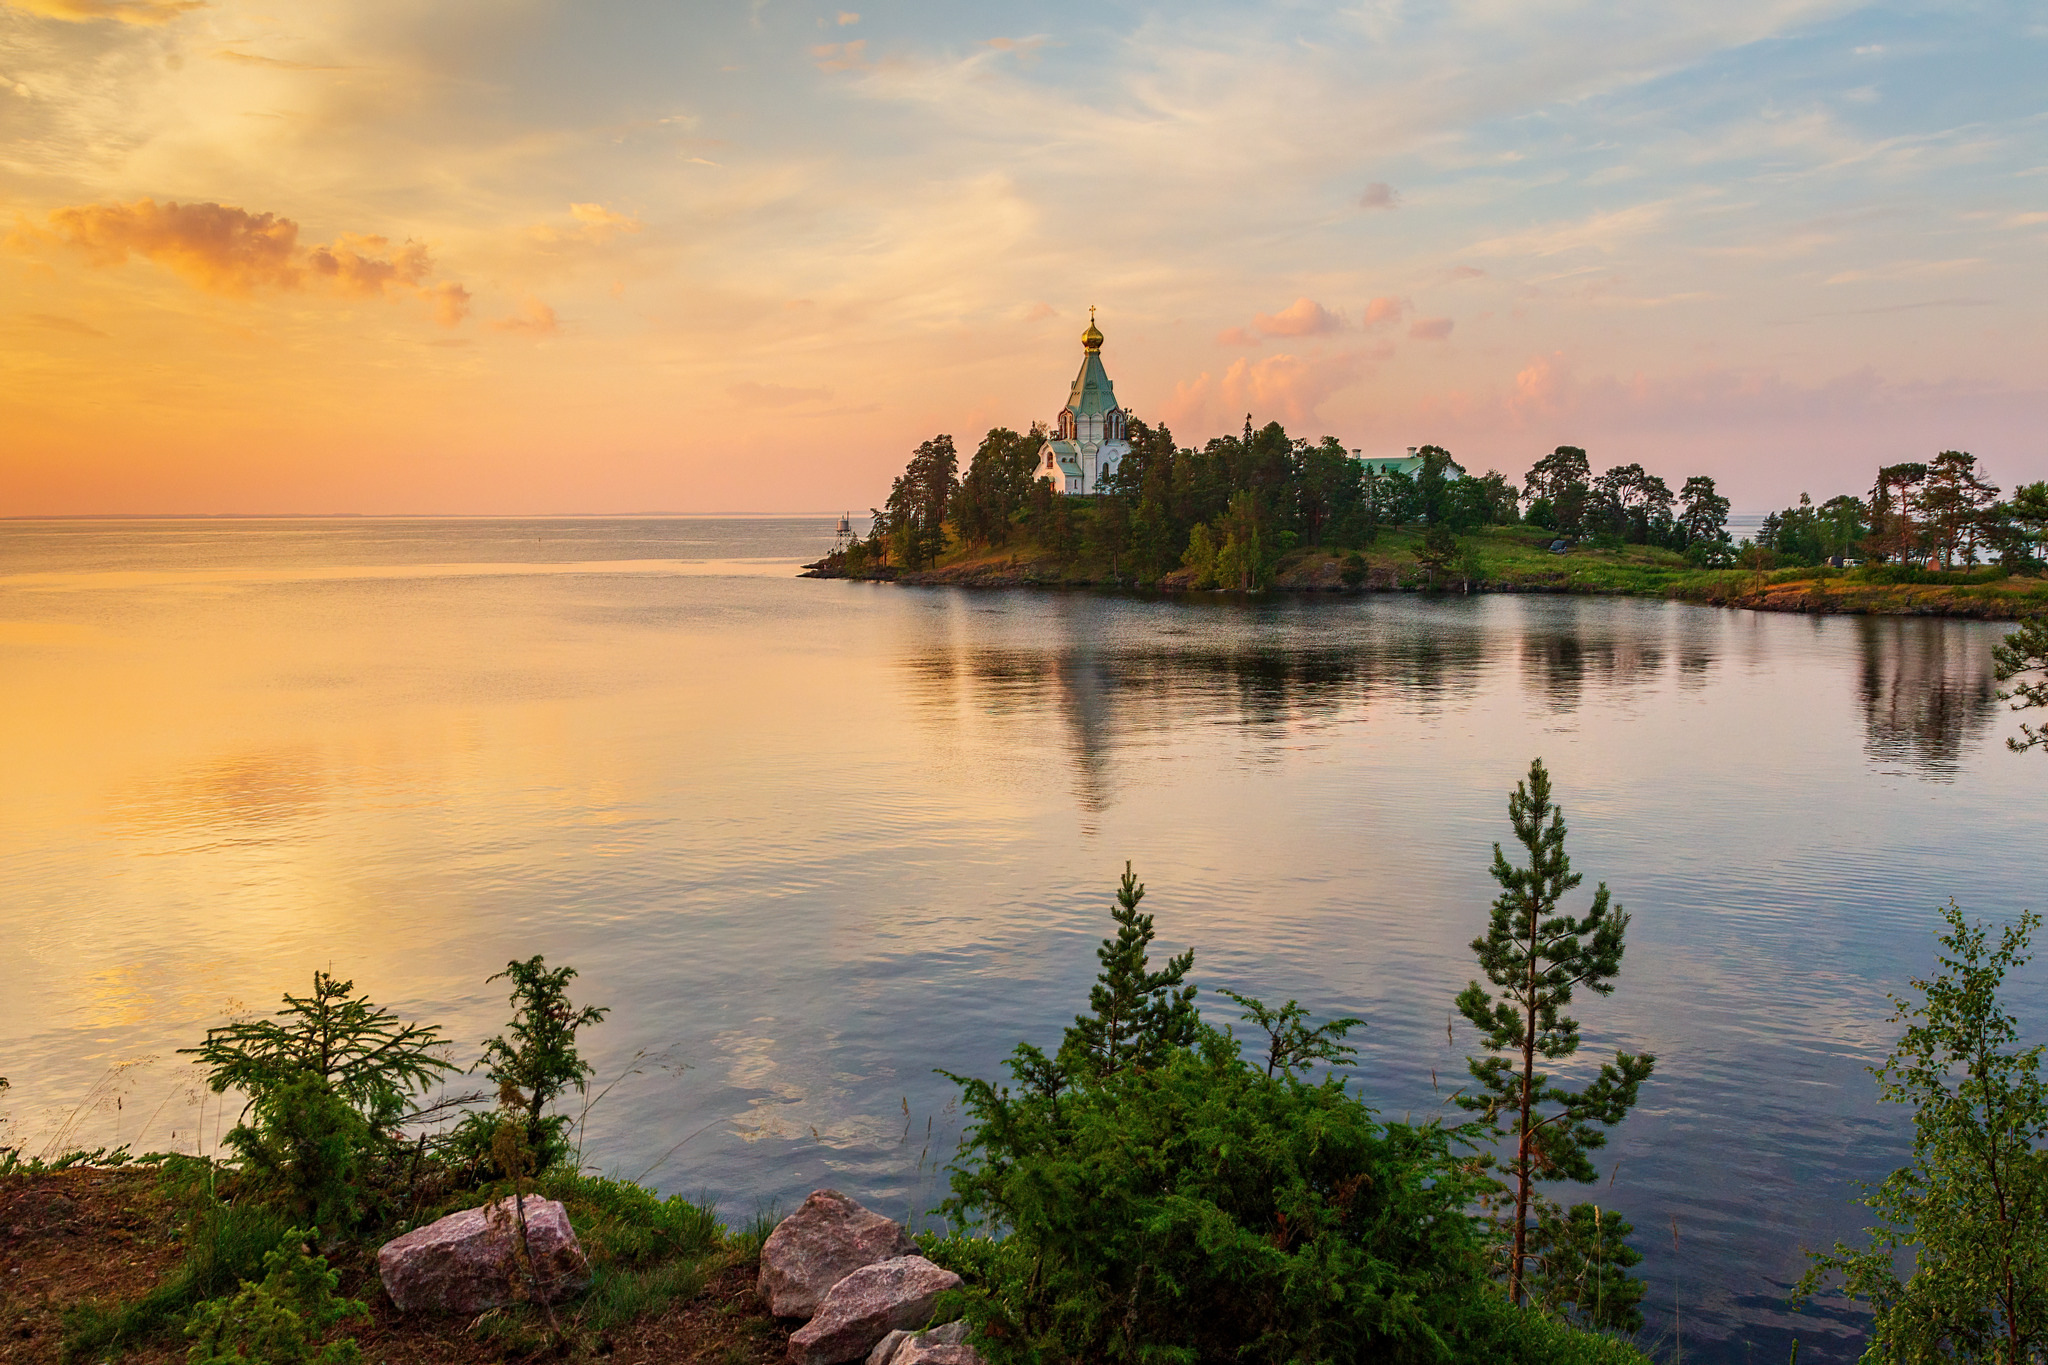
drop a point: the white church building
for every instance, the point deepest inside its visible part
(1092, 434)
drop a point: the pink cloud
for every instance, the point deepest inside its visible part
(1304, 317)
(1430, 329)
(1287, 388)
(1379, 195)
(1384, 312)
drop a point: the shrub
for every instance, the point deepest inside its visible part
(537, 1066)
(1165, 1199)
(327, 1080)
(280, 1320)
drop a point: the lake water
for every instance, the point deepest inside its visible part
(812, 840)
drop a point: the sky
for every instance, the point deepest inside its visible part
(620, 256)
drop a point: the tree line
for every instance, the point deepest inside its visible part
(1239, 503)
(1944, 512)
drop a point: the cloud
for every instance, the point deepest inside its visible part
(753, 395)
(1384, 312)
(847, 17)
(1288, 388)
(1302, 318)
(841, 56)
(1467, 272)
(534, 318)
(595, 225)
(221, 249)
(227, 250)
(450, 302)
(1379, 195)
(126, 11)
(1430, 329)
(1038, 312)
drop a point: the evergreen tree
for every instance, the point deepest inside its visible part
(1537, 958)
(1137, 1016)
(1561, 482)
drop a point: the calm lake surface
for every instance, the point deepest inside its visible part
(812, 840)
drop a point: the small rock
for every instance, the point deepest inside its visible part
(866, 1306)
(917, 1353)
(949, 1334)
(819, 1245)
(945, 1345)
(467, 1262)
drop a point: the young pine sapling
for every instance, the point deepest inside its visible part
(1536, 959)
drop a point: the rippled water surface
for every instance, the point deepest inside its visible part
(812, 840)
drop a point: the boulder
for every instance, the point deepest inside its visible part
(866, 1306)
(819, 1245)
(467, 1262)
(945, 1345)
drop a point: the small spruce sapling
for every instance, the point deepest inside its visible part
(1536, 958)
(1969, 1213)
(539, 1063)
(280, 1319)
(327, 1079)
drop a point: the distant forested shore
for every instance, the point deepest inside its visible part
(1264, 511)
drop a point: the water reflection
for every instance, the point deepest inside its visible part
(1927, 693)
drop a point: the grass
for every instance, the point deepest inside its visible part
(1518, 559)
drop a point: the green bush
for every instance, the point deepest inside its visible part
(1150, 1194)
(280, 1319)
(327, 1080)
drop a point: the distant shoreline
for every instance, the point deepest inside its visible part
(1513, 560)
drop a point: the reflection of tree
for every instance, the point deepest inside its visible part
(1926, 689)
(1557, 661)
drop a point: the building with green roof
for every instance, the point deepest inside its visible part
(1091, 435)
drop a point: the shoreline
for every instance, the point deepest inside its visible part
(1979, 594)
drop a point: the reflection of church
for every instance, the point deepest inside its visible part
(1092, 435)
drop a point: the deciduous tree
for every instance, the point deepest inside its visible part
(1969, 1213)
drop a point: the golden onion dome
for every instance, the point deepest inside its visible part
(1091, 340)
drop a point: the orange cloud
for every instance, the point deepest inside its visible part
(1384, 312)
(595, 225)
(534, 318)
(841, 56)
(1304, 317)
(126, 11)
(227, 250)
(1287, 387)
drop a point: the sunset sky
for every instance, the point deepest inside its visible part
(529, 256)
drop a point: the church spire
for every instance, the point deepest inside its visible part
(1091, 340)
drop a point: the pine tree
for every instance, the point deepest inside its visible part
(1138, 1015)
(2022, 652)
(1536, 958)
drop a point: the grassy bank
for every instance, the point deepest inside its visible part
(1518, 559)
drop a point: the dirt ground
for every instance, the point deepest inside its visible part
(72, 1237)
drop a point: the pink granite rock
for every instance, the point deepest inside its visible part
(945, 1345)
(819, 1245)
(866, 1306)
(466, 1262)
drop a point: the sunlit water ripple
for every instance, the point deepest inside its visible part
(813, 840)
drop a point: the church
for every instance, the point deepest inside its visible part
(1092, 434)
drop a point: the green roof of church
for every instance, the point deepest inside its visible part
(1091, 395)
